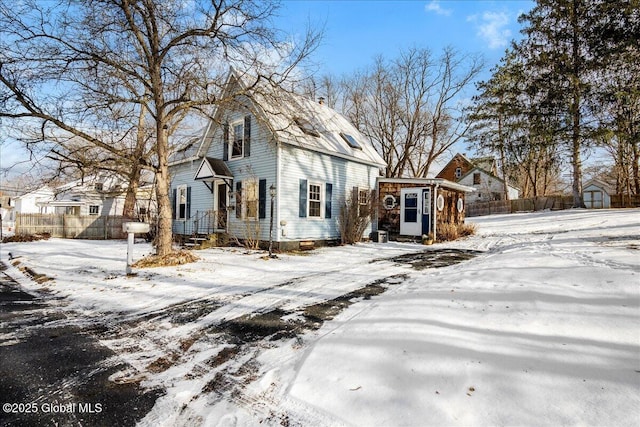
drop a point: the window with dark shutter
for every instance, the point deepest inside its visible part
(174, 197)
(225, 142)
(327, 200)
(302, 209)
(188, 203)
(262, 199)
(247, 136)
(239, 199)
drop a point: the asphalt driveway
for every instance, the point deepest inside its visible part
(51, 374)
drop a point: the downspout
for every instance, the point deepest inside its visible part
(278, 192)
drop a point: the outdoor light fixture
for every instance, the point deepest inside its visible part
(272, 193)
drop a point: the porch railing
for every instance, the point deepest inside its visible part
(203, 222)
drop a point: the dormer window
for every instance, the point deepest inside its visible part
(306, 127)
(351, 141)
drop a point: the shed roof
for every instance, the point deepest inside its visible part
(430, 182)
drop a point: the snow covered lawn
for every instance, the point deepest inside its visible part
(541, 328)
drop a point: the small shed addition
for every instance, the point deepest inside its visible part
(417, 206)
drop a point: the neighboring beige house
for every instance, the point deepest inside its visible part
(481, 174)
(102, 194)
(488, 186)
(34, 201)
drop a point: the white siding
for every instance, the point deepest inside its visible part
(488, 185)
(201, 197)
(342, 174)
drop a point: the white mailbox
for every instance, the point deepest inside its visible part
(131, 228)
(135, 227)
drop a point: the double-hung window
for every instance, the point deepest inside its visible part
(315, 200)
(363, 201)
(181, 202)
(251, 194)
(237, 135)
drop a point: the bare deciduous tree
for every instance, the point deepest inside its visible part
(70, 64)
(410, 106)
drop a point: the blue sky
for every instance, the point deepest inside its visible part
(357, 31)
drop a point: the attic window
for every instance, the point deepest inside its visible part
(351, 141)
(306, 127)
(99, 186)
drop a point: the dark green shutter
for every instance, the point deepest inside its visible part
(188, 207)
(247, 136)
(239, 199)
(302, 210)
(327, 200)
(262, 199)
(173, 203)
(225, 142)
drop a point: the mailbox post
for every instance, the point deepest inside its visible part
(131, 228)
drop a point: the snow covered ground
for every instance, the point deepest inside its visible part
(541, 328)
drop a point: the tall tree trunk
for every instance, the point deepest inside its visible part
(164, 238)
(576, 160)
(635, 166)
(129, 209)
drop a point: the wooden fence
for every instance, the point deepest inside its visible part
(518, 205)
(625, 201)
(72, 226)
(487, 208)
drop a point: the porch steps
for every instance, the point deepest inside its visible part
(202, 241)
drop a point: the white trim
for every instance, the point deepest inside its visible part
(430, 181)
(232, 137)
(321, 187)
(177, 202)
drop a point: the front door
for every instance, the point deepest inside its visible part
(410, 212)
(221, 208)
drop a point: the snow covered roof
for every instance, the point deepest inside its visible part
(293, 120)
(609, 189)
(212, 168)
(431, 181)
